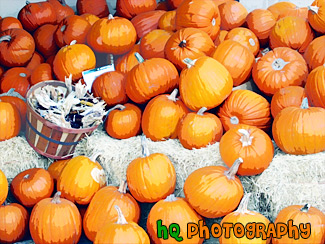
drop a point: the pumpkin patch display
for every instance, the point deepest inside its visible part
(315, 86)
(3, 187)
(10, 122)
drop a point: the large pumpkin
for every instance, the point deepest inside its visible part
(315, 53)
(188, 43)
(214, 191)
(98, 7)
(204, 83)
(172, 210)
(316, 16)
(150, 78)
(293, 132)
(73, 60)
(237, 59)
(251, 144)
(10, 122)
(17, 78)
(279, 68)
(315, 86)
(126, 62)
(61, 8)
(100, 211)
(151, 177)
(9, 23)
(162, 115)
(4, 187)
(113, 35)
(245, 107)
(233, 14)
(55, 220)
(16, 47)
(130, 8)
(44, 40)
(203, 15)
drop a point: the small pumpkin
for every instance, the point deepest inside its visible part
(218, 188)
(172, 210)
(245, 107)
(62, 9)
(300, 215)
(162, 115)
(56, 168)
(4, 187)
(123, 121)
(251, 144)
(126, 62)
(35, 61)
(151, 177)
(280, 7)
(91, 18)
(43, 72)
(110, 86)
(121, 231)
(44, 40)
(315, 53)
(204, 83)
(188, 43)
(316, 16)
(199, 129)
(10, 23)
(16, 78)
(233, 14)
(31, 186)
(298, 136)
(100, 211)
(13, 222)
(130, 8)
(290, 96)
(55, 220)
(167, 21)
(315, 86)
(98, 7)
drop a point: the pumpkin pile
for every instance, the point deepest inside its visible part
(181, 68)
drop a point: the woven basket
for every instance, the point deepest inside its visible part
(48, 139)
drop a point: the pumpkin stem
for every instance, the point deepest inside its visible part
(251, 42)
(313, 9)
(265, 51)
(63, 28)
(173, 95)
(242, 208)
(110, 16)
(12, 93)
(182, 44)
(189, 62)
(27, 2)
(234, 120)
(170, 198)
(99, 176)
(139, 57)
(118, 106)
(6, 38)
(26, 176)
(121, 219)
(73, 42)
(122, 188)
(304, 104)
(230, 173)
(305, 208)
(56, 198)
(202, 110)
(145, 149)
(22, 75)
(279, 63)
(246, 138)
(213, 22)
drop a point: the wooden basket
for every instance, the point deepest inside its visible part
(48, 139)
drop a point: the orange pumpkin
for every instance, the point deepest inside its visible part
(204, 83)
(50, 60)
(315, 53)
(146, 22)
(71, 28)
(246, 37)
(236, 58)
(113, 35)
(16, 78)
(279, 68)
(123, 121)
(31, 186)
(188, 43)
(91, 18)
(261, 22)
(83, 59)
(13, 222)
(44, 40)
(151, 177)
(152, 44)
(173, 4)
(293, 32)
(315, 86)
(100, 211)
(299, 12)
(251, 144)
(162, 115)
(167, 21)
(219, 2)
(110, 86)
(245, 107)
(56, 168)
(130, 8)
(36, 60)
(9, 23)
(280, 7)
(162, 6)
(126, 62)
(203, 15)
(220, 38)
(62, 9)
(233, 14)
(121, 232)
(98, 7)
(172, 210)
(55, 220)
(16, 47)
(316, 16)
(294, 134)
(300, 215)
(150, 78)
(81, 178)
(43, 72)
(290, 96)
(243, 216)
(4, 187)
(218, 188)
(199, 129)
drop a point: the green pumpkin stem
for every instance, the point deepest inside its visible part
(171, 198)
(6, 38)
(201, 111)
(122, 188)
(230, 173)
(12, 93)
(56, 198)
(139, 57)
(121, 219)
(305, 208)
(304, 104)
(145, 149)
(189, 62)
(242, 208)
(173, 95)
(313, 9)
